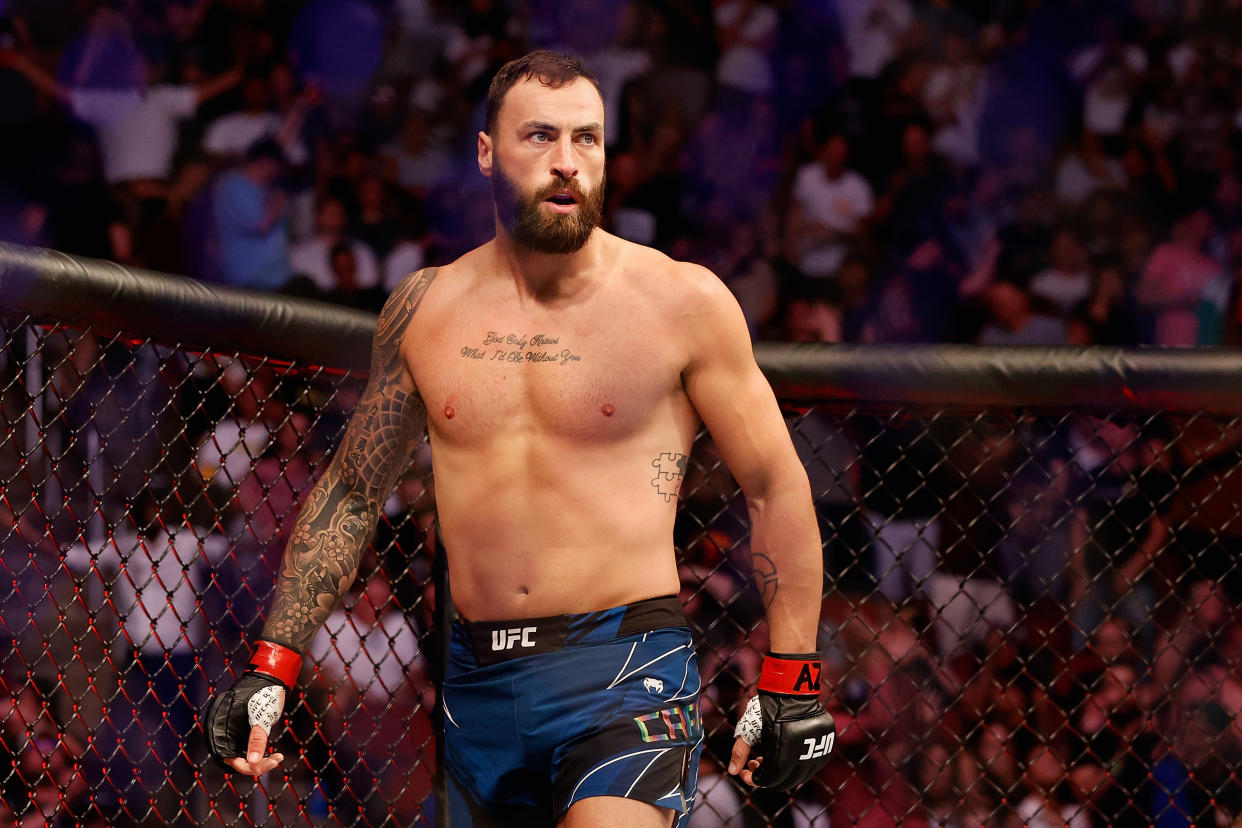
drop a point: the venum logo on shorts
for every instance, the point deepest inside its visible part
(514, 636)
(671, 723)
(653, 685)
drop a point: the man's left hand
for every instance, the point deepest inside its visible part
(785, 725)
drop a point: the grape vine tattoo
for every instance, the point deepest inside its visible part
(766, 578)
(342, 509)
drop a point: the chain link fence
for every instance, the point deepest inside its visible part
(1030, 612)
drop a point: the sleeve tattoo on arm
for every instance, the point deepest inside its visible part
(342, 509)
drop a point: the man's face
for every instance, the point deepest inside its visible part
(546, 163)
(331, 218)
(836, 154)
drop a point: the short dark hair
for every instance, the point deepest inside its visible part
(553, 69)
(265, 149)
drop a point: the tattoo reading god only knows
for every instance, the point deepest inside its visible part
(514, 347)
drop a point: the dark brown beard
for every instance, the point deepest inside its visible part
(547, 232)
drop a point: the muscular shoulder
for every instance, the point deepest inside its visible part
(674, 287)
(393, 327)
(689, 298)
(404, 300)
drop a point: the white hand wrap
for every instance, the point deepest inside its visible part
(265, 707)
(751, 724)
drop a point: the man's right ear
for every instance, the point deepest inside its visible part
(485, 154)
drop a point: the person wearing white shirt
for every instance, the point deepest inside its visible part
(369, 652)
(1067, 281)
(156, 573)
(137, 128)
(371, 646)
(746, 31)
(406, 257)
(232, 134)
(1109, 73)
(874, 30)
(830, 203)
(312, 258)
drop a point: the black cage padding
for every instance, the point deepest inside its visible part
(76, 290)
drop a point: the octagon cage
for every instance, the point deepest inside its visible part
(1030, 607)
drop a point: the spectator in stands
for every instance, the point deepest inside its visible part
(1084, 170)
(273, 479)
(137, 127)
(937, 778)
(345, 273)
(831, 204)
(229, 136)
(1014, 319)
(953, 96)
(250, 214)
(157, 570)
(1106, 317)
(1207, 107)
(746, 33)
(41, 783)
(228, 452)
(1120, 471)
(901, 512)
(407, 255)
(744, 267)
(312, 258)
(1109, 72)
(912, 205)
(337, 45)
(811, 318)
(991, 773)
(376, 223)
(966, 592)
(371, 672)
(1174, 279)
(914, 299)
(1050, 801)
(1112, 745)
(421, 159)
(875, 31)
(1067, 279)
(1193, 780)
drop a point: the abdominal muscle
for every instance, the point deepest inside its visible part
(537, 530)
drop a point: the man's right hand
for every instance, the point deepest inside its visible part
(240, 719)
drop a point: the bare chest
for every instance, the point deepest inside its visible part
(588, 377)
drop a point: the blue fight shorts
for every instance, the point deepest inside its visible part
(543, 712)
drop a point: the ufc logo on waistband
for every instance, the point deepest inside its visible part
(506, 639)
(818, 748)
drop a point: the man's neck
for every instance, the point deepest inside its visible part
(548, 276)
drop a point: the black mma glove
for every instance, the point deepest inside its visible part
(256, 700)
(785, 724)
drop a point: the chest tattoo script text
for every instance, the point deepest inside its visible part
(513, 347)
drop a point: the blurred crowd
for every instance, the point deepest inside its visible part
(1029, 621)
(1022, 171)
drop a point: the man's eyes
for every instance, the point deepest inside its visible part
(588, 138)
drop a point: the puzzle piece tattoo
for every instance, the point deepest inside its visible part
(670, 469)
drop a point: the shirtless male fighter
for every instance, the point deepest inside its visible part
(562, 373)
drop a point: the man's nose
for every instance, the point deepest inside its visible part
(564, 164)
